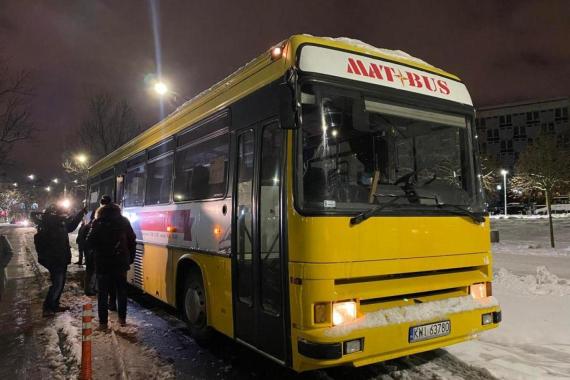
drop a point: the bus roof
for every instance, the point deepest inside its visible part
(257, 73)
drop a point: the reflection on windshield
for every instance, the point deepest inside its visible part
(357, 153)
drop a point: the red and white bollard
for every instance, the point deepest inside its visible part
(86, 369)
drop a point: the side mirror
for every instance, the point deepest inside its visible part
(287, 106)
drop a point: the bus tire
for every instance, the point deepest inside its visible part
(194, 308)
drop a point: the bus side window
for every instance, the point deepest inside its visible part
(202, 170)
(134, 186)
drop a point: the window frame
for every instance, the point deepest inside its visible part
(206, 138)
(130, 169)
(172, 177)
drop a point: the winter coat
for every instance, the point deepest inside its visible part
(5, 252)
(112, 240)
(81, 239)
(57, 253)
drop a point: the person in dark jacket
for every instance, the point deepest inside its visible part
(57, 254)
(6, 254)
(89, 280)
(81, 240)
(113, 242)
(105, 200)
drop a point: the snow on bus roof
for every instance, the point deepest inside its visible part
(399, 54)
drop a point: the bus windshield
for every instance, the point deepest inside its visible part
(356, 152)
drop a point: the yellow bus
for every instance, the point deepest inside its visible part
(322, 205)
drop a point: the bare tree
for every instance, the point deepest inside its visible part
(15, 96)
(8, 199)
(543, 166)
(108, 124)
(489, 173)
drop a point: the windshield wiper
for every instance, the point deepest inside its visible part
(477, 217)
(368, 213)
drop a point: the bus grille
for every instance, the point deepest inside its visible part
(138, 278)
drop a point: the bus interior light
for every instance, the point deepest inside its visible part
(344, 312)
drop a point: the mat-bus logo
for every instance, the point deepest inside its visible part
(407, 78)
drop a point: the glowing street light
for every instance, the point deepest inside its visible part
(160, 88)
(65, 203)
(499, 187)
(48, 189)
(31, 177)
(81, 158)
(55, 180)
(15, 184)
(504, 174)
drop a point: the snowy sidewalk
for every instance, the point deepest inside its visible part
(20, 314)
(532, 284)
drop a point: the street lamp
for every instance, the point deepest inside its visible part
(48, 189)
(81, 158)
(15, 184)
(55, 180)
(160, 88)
(31, 177)
(504, 174)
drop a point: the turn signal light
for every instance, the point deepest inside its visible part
(170, 229)
(321, 312)
(481, 290)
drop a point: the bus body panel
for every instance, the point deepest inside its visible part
(333, 239)
(390, 342)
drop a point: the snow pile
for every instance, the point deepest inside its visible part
(544, 283)
(62, 340)
(413, 313)
(399, 54)
(520, 216)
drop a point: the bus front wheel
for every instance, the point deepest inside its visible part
(194, 308)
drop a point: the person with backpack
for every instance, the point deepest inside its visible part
(113, 242)
(54, 251)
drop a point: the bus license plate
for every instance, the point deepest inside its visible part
(429, 331)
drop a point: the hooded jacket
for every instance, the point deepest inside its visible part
(112, 240)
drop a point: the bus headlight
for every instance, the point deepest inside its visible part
(344, 312)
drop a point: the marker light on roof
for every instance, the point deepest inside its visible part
(276, 53)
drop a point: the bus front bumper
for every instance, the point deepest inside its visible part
(315, 349)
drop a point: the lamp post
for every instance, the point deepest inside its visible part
(504, 174)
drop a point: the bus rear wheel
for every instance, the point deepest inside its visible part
(194, 308)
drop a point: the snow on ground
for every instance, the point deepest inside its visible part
(532, 284)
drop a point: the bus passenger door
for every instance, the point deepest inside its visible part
(258, 260)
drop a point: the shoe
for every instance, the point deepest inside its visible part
(123, 321)
(48, 313)
(103, 327)
(61, 309)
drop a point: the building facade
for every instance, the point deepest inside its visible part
(504, 131)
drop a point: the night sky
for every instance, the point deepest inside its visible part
(503, 50)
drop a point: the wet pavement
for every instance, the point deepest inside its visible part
(155, 339)
(20, 312)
